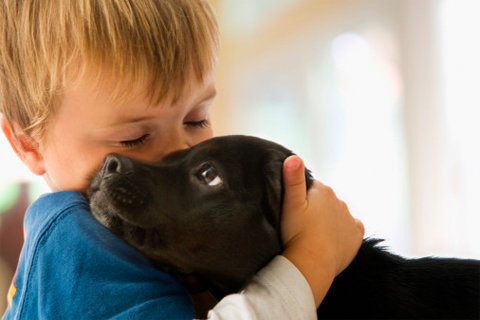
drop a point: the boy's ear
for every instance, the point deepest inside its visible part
(26, 150)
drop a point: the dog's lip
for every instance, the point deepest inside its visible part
(99, 209)
(125, 229)
(118, 202)
(95, 181)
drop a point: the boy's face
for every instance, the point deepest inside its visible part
(90, 125)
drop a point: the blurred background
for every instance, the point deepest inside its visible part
(381, 98)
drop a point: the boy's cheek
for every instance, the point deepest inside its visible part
(68, 176)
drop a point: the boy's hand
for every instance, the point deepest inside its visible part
(320, 236)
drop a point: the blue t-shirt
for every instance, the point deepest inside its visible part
(71, 267)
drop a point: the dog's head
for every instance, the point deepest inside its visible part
(212, 210)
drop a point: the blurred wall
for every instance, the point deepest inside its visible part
(379, 97)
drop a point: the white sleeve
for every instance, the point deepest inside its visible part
(278, 291)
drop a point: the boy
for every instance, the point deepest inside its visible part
(83, 78)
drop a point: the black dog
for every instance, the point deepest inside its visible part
(214, 211)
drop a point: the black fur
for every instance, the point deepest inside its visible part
(225, 232)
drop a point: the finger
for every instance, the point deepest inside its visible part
(294, 182)
(360, 226)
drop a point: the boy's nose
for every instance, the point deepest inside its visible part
(115, 164)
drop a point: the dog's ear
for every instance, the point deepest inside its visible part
(273, 198)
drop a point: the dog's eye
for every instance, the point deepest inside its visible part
(209, 176)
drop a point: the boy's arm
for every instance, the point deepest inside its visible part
(321, 238)
(278, 291)
(74, 259)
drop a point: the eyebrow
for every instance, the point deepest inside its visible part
(211, 93)
(121, 131)
(126, 120)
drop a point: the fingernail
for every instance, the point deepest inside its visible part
(293, 163)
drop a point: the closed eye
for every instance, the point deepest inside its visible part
(198, 124)
(135, 142)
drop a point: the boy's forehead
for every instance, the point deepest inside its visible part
(113, 88)
(103, 88)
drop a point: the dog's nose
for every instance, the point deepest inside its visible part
(114, 164)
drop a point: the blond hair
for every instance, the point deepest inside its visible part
(46, 44)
